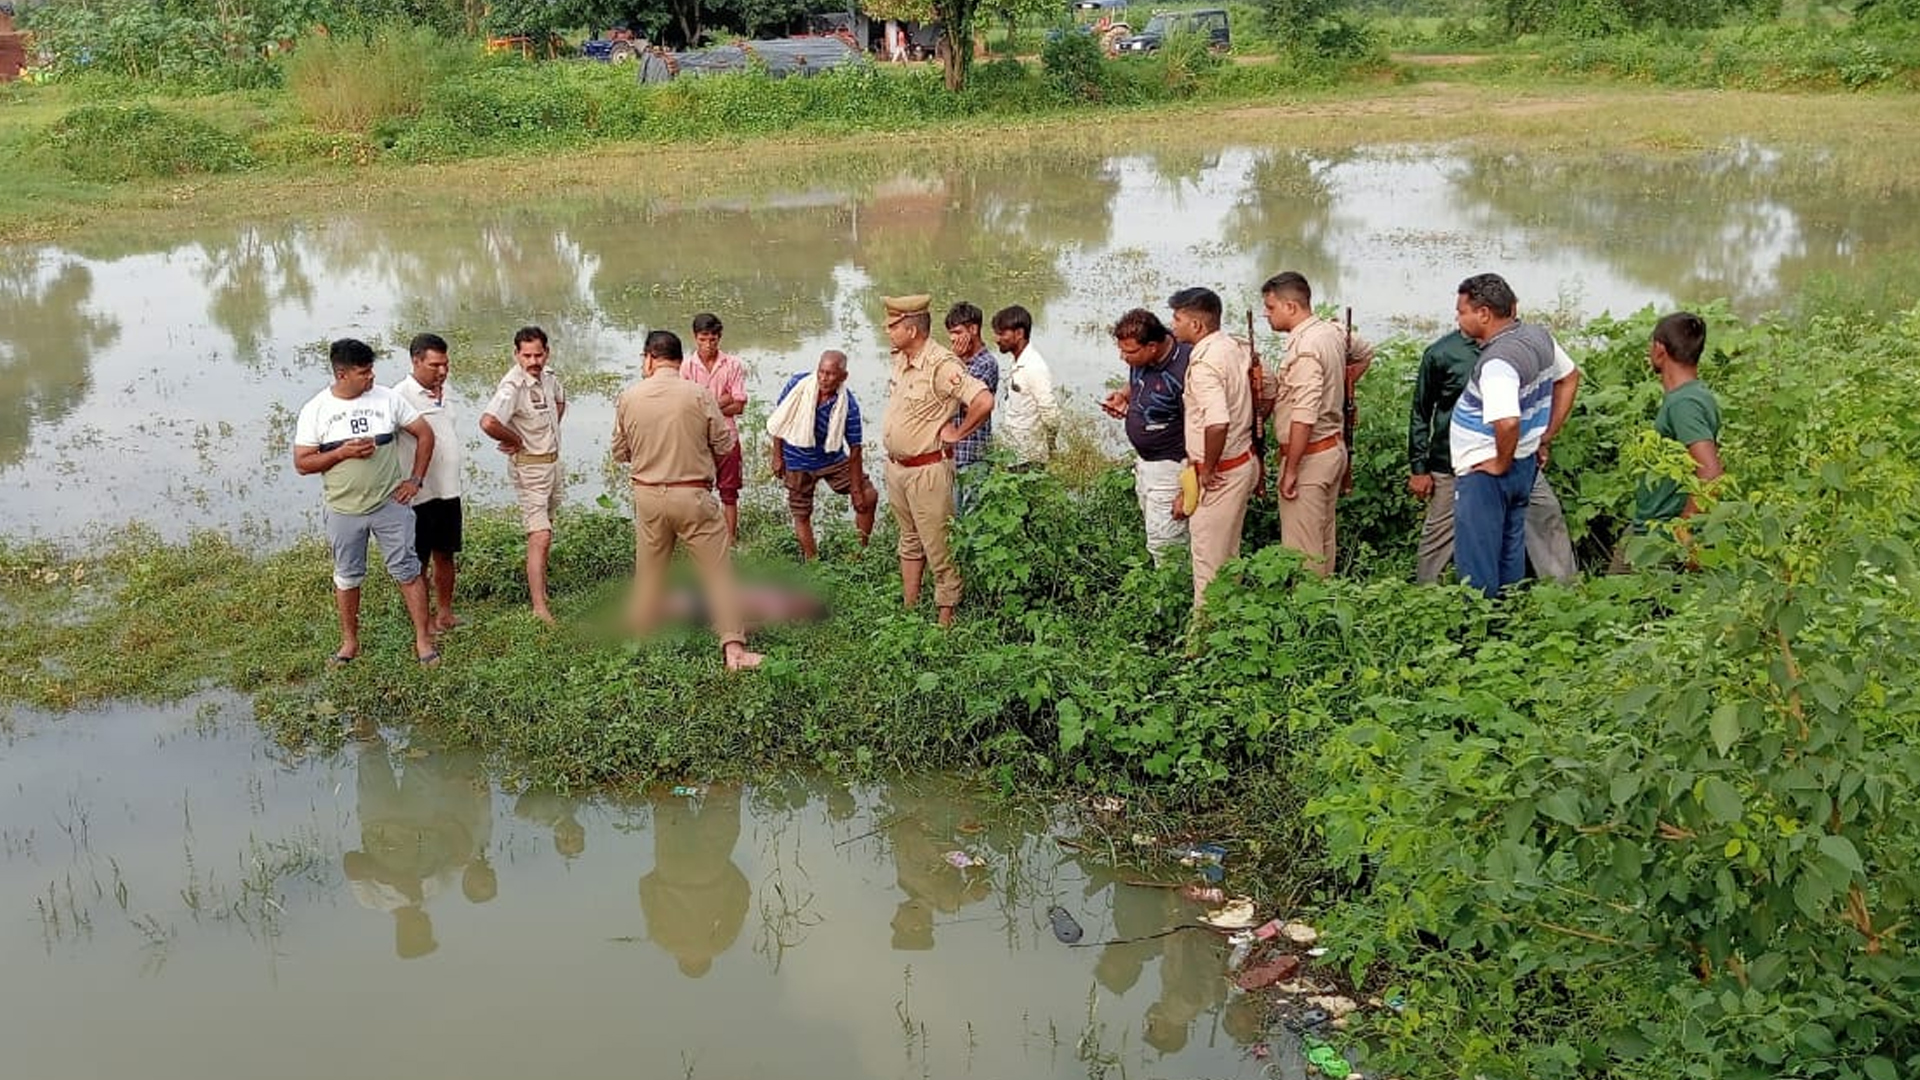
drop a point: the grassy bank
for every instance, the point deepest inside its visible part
(351, 118)
(1656, 824)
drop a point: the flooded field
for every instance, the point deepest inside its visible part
(179, 900)
(156, 378)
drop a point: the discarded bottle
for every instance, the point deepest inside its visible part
(1065, 929)
(689, 791)
(1242, 948)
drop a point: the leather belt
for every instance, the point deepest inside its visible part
(931, 457)
(535, 459)
(1233, 463)
(1318, 445)
(674, 483)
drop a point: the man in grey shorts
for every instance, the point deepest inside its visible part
(347, 434)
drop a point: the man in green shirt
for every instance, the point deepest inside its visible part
(1688, 415)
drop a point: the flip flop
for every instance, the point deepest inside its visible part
(432, 659)
(338, 660)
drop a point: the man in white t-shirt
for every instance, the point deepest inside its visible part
(436, 509)
(348, 434)
(1499, 423)
(1031, 417)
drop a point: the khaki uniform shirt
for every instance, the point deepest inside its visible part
(530, 407)
(1218, 392)
(669, 430)
(1313, 378)
(922, 393)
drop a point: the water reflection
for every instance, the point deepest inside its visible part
(45, 301)
(245, 890)
(1075, 237)
(933, 866)
(424, 825)
(695, 897)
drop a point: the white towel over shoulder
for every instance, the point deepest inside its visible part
(791, 421)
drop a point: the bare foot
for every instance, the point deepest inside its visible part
(740, 659)
(543, 615)
(946, 616)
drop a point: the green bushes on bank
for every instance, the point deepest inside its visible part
(113, 143)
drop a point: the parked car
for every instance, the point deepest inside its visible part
(1210, 23)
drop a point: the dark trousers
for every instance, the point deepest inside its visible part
(1490, 526)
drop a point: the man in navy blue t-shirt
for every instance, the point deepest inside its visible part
(816, 432)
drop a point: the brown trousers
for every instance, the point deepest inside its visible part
(663, 516)
(1307, 520)
(1214, 529)
(922, 501)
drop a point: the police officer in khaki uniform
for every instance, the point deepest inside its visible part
(524, 417)
(1218, 407)
(1317, 371)
(926, 386)
(671, 436)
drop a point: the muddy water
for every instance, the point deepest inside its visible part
(178, 900)
(155, 378)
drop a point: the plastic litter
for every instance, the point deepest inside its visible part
(1306, 1019)
(1242, 948)
(1326, 1060)
(689, 791)
(1299, 933)
(1203, 894)
(1065, 928)
(960, 860)
(1235, 914)
(1335, 1005)
(1106, 804)
(1317, 951)
(1199, 854)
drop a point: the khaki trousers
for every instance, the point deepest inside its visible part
(1214, 529)
(1307, 521)
(689, 515)
(922, 501)
(1549, 545)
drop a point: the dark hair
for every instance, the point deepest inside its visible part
(426, 343)
(1492, 292)
(1203, 300)
(964, 314)
(1013, 318)
(349, 353)
(665, 345)
(1685, 336)
(707, 323)
(1289, 285)
(1142, 326)
(529, 333)
(919, 320)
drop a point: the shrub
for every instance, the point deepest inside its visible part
(110, 143)
(1075, 67)
(355, 83)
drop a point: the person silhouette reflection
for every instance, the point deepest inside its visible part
(417, 831)
(555, 811)
(1191, 965)
(695, 898)
(924, 831)
(1138, 915)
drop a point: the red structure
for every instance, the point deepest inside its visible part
(13, 48)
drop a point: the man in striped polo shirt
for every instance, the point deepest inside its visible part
(1495, 436)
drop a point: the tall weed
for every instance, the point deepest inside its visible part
(353, 83)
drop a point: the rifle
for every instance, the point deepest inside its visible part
(1350, 414)
(1256, 382)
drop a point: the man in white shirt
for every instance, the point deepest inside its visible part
(347, 434)
(436, 509)
(1498, 425)
(1031, 418)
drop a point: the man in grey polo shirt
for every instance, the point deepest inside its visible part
(347, 434)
